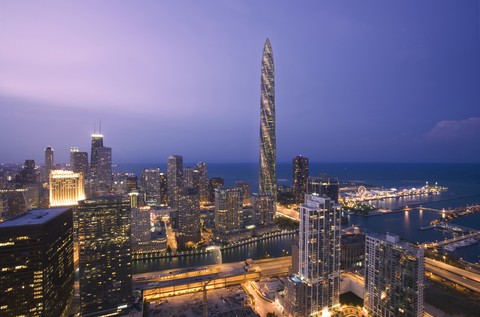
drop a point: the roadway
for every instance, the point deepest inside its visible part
(171, 241)
(457, 275)
(288, 213)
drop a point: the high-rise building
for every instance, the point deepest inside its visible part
(97, 142)
(66, 188)
(16, 202)
(300, 176)
(48, 161)
(228, 210)
(131, 183)
(318, 257)
(323, 186)
(79, 162)
(174, 179)
(264, 208)
(105, 257)
(28, 175)
(189, 216)
(104, 169)
(36, 263)
(268, 150)
(394, 280)
(163, 189)
(100, 165)
(245, 187)
(203, 181)
(151, 182)
(141, 226)
(214, 183)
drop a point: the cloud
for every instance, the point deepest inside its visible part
(452, 130)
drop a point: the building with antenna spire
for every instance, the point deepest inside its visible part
(100, 164)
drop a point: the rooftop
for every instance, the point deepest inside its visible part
(34, 217)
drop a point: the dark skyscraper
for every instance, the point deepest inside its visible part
(28, 175)
(214, 183)
(97, 142)
(174, 179)
(203, 181)
(79, 162)
(48, 161)
(300, 176)
(36, 263)
(105, 258)
(323, 186)
(268, 153)
(104, 169)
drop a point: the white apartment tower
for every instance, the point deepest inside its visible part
(319, 254)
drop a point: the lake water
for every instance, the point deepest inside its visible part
(462, 180)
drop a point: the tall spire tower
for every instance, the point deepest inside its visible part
(267, 181)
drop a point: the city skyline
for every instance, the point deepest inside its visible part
(371, 82)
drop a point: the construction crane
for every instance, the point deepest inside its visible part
(205, 294)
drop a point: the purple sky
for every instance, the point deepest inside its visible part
(356, 81)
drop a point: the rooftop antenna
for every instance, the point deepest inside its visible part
(94, 127)
(100, 127)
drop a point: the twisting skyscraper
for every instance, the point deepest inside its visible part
(268, 154)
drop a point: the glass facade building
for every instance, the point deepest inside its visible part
(394, 277)
(105, 257)
(36, 263)
(300, 176)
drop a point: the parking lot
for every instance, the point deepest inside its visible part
(220, 302)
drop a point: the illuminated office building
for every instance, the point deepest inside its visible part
(36, 263)
(228, 210)
(394, 277)
(16, 202)
(141, 227)
(105, 258)
(189, 216)
(153, 184)
(300, 176)
(66, 188)
(264, 208)
(174, 179)
(323, 186)
(191, 178)
(268, 148)
(316, 287)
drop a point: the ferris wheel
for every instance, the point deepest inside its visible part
(361, 190)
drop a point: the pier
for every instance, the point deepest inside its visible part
(450, 241)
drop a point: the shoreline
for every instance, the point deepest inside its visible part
(206, 250)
